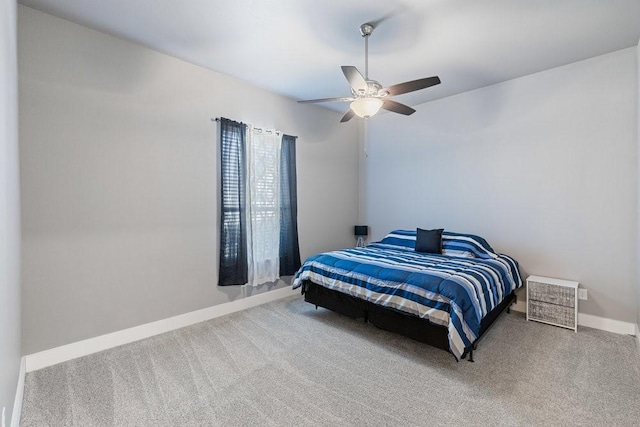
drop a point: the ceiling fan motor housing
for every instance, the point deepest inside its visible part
(374, 89)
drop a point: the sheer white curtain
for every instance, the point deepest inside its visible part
(263, 205)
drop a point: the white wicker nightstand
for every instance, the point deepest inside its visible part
(553, 301)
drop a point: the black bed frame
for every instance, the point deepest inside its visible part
(396, 321)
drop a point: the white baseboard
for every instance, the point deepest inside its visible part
(638, 337)
(17, 403)
(590, 321)
(103, 342)
(609, 325)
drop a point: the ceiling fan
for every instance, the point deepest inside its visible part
(369, 96)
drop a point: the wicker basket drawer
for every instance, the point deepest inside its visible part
(553, 294)
(552, 313)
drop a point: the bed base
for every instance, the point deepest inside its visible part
(394, 320)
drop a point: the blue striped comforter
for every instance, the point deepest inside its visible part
(450, 291)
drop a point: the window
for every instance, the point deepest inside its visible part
(259, 234)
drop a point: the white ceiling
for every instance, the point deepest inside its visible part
(296, 47)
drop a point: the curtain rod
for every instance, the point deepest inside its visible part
(217, 119)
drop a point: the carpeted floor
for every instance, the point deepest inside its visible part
(285, 363)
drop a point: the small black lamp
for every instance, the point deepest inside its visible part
(361, 232)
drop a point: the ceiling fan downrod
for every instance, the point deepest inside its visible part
(366, 29)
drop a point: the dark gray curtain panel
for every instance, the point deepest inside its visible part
(233, 233)
(289, 247)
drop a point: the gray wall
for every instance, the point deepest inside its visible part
(118, 168)
(10, 330)
(543, 166)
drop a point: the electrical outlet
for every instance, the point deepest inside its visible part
(582, 294)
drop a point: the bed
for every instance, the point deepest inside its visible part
(448, 299)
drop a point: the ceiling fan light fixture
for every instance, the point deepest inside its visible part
(366, 107)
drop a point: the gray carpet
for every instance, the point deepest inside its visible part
(285, 363)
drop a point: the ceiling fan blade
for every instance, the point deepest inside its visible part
(311, 101)
(347, 116)
(396, 107)
(413, 85)
(387, 16)
(355, 78)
